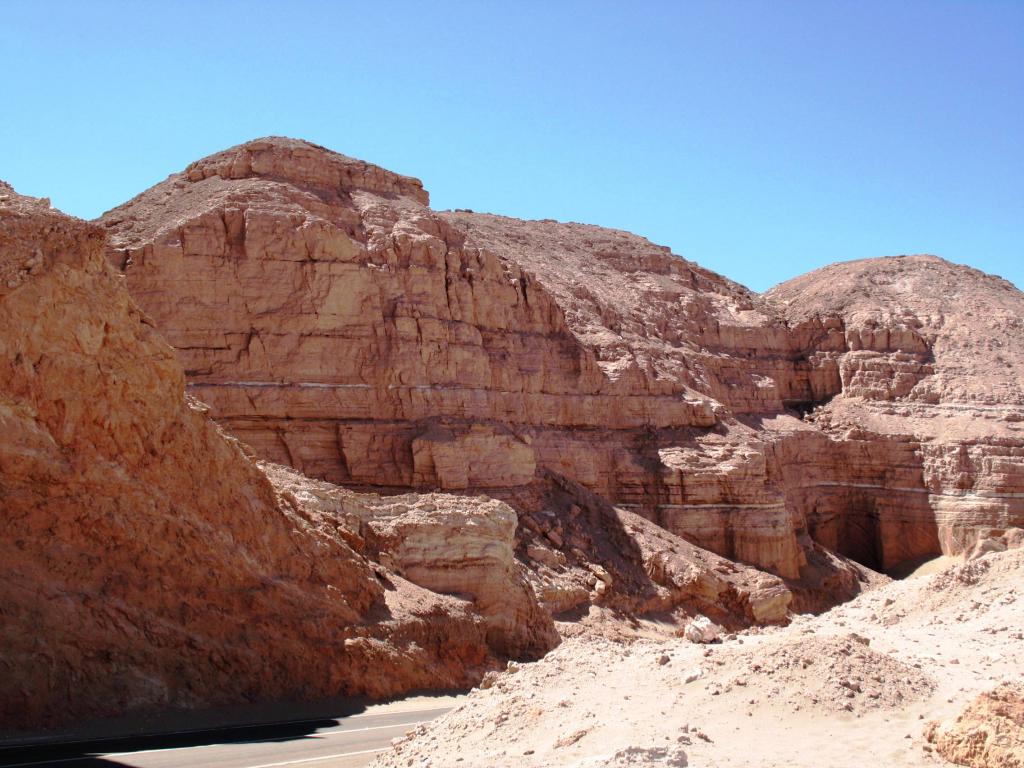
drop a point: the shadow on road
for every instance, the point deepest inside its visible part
(90, 753)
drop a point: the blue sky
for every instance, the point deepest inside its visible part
(760, 139)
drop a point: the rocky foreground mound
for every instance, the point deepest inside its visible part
(989, 733)
(859, 685)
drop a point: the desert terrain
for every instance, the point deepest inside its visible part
(879, 680)
(276, 430)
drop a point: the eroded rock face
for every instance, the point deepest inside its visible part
(342, 327)
(146, 561)
(447, 544)
(337, 324)
(586, 553)
(989, 733)
(925, 450)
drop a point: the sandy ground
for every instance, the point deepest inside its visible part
(852, 687)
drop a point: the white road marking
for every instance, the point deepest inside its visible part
(323, 757)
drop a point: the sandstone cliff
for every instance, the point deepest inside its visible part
(337, 324)
(925, 449)
(620, 428)
(147, 562)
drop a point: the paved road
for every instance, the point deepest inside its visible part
(342, 743)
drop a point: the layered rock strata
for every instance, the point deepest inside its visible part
(336, 323)
(925, 445)
(147, 562)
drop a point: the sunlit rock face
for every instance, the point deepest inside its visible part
(148, 562)
(337, 324)
(925, 442)
(531, 418)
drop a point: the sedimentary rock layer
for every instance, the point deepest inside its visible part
(925, 443)
(146, 561)
(336, 323)
(346, 329)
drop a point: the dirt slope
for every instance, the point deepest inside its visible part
(857, 685)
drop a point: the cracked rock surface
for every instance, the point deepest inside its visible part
(337, 324)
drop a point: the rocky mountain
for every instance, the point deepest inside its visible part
(926, 438)
(388, 448)
(149, 561)
(337, 324)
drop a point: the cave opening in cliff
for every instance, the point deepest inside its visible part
(861, 539)
(897, 548)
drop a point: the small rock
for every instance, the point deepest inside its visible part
(570, 739)
(702, 630)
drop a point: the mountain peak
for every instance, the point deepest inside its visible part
(304, 164)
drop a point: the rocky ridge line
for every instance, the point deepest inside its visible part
(346, 329)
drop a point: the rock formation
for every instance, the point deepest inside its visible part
(146, 561)
(531, 419)
(337, 324)
(925, 450)
(989, 733)
(897, 677)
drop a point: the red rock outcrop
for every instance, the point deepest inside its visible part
(447, 544)
(337, 324)
(925, 447)
(147, 562)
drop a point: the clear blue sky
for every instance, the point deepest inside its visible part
(761, 139)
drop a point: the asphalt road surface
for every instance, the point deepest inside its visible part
(344, 742)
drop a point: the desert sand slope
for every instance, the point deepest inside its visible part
(856, 686)
(146, 561)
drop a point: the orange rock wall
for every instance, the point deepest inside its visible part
(337, 324)
(147, 562)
